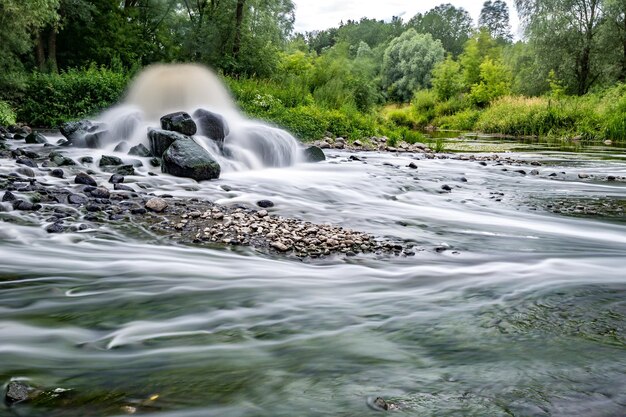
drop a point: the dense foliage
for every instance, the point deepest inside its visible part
(66, 59)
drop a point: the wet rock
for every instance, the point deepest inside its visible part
(446, 187)
(483, 163)
(25, 206)
(160, 140)
(121, 147)
(60, 160)
(77, 199)
(57, 173)
(379, 404)
(18, 391)
(185, 158)
(95, 140)
(83, 178)
(26, 171)
(125, 170)
(86, 160)
(26, 161)
(582, 175)
(122, 187)
(108, 160)
(56, 227)
(412, 165)
(36, 138)
(76, 132)
(100, 192)
(8, 196)
(211, 125)
(265, 203)
(180, 122)
(354, 158)
(534, 172)
(314, 154)
(116, 179)
(611, 178)
(521, 171)
(140, 150)
(155, 162)
(156, 204)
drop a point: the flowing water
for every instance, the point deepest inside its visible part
(523, 314)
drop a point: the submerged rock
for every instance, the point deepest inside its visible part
(185, 158)
(211, 125)
(160, 140)
(140, 150)
(265, 203)
(36, 138)
(18, 391)
(107, 160)
(180, 122)
(314, 154)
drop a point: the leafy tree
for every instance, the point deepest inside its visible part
(494, 16)
(480, 47)
(18, 21)
(451, 25)
(565, 35)
(447, 79)
(495, 82)
(408, 62)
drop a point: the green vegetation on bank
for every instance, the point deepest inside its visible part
(363, 78)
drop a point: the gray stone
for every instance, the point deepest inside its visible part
(314, 154)
(212, 125)
(185, 158)
(82, 178)
(100, 192)
(156, 204)
(140, 150)
(57, 173)
(36, 138)
(77, 199)
(160, 140)
(116, 179)
(107, 160)
(121, 147)
(180, 122)
(265, 203)
(125, 170)
(26, 171)
(17, 391)
(56, 227)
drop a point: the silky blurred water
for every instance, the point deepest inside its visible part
(522, 315)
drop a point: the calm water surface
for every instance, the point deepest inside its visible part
(522, 315)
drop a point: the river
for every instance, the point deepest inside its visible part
(506, 309)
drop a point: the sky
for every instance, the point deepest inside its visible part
(324, 14)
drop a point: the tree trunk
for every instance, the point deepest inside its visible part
(238, 24)
(40, 53)
(52, 51)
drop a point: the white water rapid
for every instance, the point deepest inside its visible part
(162, 89)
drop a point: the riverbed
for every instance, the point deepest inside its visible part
(512, 305)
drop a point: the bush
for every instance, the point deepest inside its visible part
(7, 115)
(463, 120)
(51, 99)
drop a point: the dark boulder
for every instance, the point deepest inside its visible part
(57, 173)
(82, 178)
(27, 161)
(180, 122)
(26, 171)
(60, 160)
(77, 199)
(100, 192)
(108, 160)
(8, 196)
(265, 203)
(160, 140)
(25, 205)
(56, 227)
(140, 150)
(125, 170)
(211, 125)
(116, 179)
(36, 138)
(314, 154)
(185, 158)
(75, 131)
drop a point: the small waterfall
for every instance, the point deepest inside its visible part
(163, 89)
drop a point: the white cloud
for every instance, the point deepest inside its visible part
(324, 14)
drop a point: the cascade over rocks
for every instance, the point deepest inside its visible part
(212, 125)
(180, 122)
(84, 134)
(185, 158)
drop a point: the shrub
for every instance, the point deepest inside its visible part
(7, 115)
(51, 99)
(463, 120)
